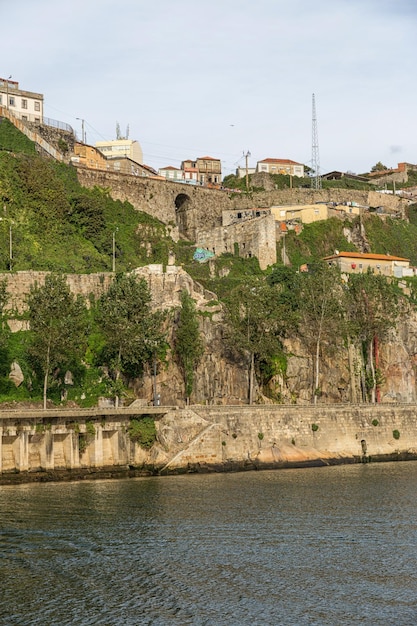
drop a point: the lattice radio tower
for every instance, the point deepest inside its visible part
(315, 158)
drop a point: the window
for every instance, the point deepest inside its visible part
(37, 120)
(37, 105)
(0, 98)
(24, 103)
(25, 118)
(12, 101)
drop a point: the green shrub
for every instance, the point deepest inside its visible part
(90, 429)
(314, 427)
(375, 422)
(260, 436)
(143, 431)
(396, 434)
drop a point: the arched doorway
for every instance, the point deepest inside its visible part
(182, 209)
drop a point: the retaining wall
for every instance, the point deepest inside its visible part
(57, 445)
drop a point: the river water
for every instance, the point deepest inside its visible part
(325, 546)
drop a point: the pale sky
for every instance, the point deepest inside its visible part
(223, 77)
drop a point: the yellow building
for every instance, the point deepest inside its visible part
(358, 263)
(121, 148)
(306, 214)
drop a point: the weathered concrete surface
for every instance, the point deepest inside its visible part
(65, 445)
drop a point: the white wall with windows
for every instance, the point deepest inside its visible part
(26, 105)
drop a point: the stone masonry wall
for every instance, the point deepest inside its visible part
(254, 238)
(57, 444)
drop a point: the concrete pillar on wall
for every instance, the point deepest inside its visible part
(49, 461)
(98, 446)
(22, 451)
(68, 451)
(110, 448)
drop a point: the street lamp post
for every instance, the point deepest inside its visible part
(10, 247)
(247, 155)
(114, 253)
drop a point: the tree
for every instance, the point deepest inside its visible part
(132, 332)
(188, 344)
(257, 318)
(4, 329)
(379, 167)
(58, 326)
(373, 306)
(320, 314)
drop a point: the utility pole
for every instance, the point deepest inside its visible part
(82, 129)
(10, 247)
(7, 91)
(247, 155)
(114, 253)
(315, 159)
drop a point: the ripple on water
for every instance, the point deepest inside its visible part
(321, 546)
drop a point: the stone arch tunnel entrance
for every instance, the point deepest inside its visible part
(183, 206)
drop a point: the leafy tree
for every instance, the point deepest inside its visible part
(379, 167)
(257, 318)
(320, 314)
(373, 306)
(188, 344)
(288, 280)
(58, 326)
(132, 332)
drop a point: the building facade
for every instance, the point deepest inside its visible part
(92, 158)
(204, 170)
(121, 148)
(280, 166)
(26, 105)
(359, 263)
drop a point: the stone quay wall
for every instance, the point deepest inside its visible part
(68, 444)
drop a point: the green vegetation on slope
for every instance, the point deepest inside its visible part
(49, 222)
(392, 236)
(284, 181)
(316, 241)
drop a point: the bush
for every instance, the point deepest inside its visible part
(375, 422)
(314, 427)
(396, 434)
(143, 432)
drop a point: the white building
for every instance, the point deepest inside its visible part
(280, 166)
(171, 173)
(121, 148)
(26, 105)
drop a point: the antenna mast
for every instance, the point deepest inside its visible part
(315, 159)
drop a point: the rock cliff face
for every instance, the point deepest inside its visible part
(222, 376)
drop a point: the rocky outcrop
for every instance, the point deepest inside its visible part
(221, 374)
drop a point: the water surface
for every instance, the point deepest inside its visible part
(322, 546)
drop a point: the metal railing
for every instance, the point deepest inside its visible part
(57, 124)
